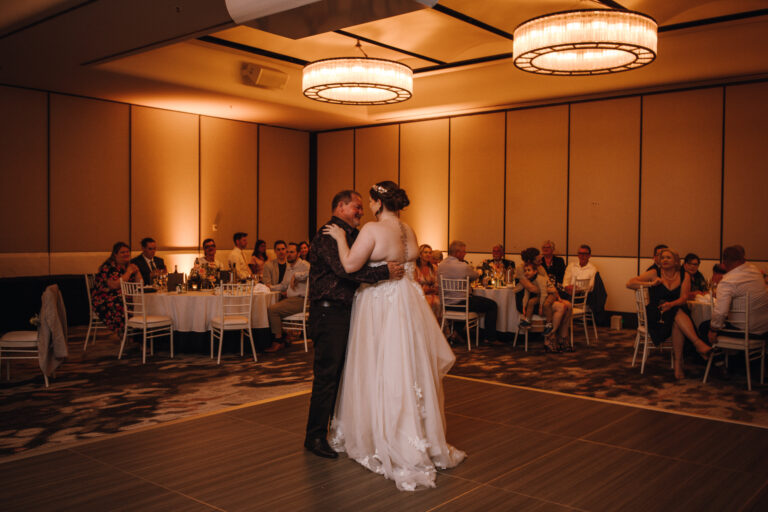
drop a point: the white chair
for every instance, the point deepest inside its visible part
(641, 299)
(580, 310)
(298, 321)
(27, 344)
(457, 291)
(537, 322)
(137, 319)
(94, 322)
(735, 339)
(236, 303)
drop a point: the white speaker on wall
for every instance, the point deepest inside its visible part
(260, 76)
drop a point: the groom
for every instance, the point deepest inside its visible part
(331, 291)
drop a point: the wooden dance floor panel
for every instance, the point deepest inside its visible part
(528, 450)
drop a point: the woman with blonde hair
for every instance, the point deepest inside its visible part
(668, 290)
(425, 273)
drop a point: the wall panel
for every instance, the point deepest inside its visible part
(537, 177)
(89, 174)
(283, 184)
(681, 171)
(376, 159)
(335, 169)
(604, 176)
(746, 163)
(477, 180)
(24, 176)
(164, 178)
(228, 180)
(424, 176)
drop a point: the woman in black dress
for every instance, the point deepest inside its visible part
(668, 290)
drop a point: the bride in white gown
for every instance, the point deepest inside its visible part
(389, 415)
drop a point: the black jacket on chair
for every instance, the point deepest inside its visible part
(140, 262)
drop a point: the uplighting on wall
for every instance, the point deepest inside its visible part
(585, 42)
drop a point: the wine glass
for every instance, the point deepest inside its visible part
(661, 313)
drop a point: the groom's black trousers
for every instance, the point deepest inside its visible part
(329, 329)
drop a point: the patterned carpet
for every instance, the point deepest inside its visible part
(94, 394)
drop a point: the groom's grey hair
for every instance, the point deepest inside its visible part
(455, 247)
(344, 196)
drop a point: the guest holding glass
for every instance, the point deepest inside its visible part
(668, 289)
(425, 273)
(106, 295)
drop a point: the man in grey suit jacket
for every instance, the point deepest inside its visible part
(274, 270)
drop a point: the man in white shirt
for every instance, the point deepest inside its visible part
(293, 287)
(238, 258)
(275, 269)
(454, 267)
(580, 270)
(740, 278)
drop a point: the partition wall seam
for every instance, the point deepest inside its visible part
(722, 175)
(48, 175)
(199, 178)
(354, 158)
(448, 212)
(640, 185)
(568, 188)
(130, 171)
(258, 181)
(504, 207)
(312, 213)
(399, 155)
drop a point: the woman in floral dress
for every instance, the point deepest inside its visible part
(106, 296)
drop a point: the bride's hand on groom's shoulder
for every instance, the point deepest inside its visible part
(396, 270)
(334, 231)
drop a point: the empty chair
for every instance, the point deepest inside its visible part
(641, 298)
(48, 344)
(580, 310)
(236, 303)
(94, 322)
(298, 321)
(739, 340)
(137, 319)
(457, 292)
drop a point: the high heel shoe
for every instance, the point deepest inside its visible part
(705, 352)
(550, 346)
(565, 344)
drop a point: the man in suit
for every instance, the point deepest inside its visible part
(147, 261)
(274, 269)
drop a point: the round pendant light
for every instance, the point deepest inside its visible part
(585, 42)
(357, 81)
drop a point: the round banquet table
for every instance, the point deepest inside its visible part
(700, 311)
(193, 311)
(508, 316)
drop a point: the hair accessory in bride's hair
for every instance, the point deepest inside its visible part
(379, 189)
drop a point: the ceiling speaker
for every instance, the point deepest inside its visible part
(260, 76)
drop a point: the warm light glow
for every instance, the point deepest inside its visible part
(357, 81)
(588, 42)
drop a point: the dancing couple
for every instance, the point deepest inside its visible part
(389, 414)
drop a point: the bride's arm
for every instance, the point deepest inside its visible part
(352, 259)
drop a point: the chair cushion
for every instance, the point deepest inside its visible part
(737, 343)
(19, 336)
(230, 320)
(578, 311)
(298, 317)
(459, 315)
(151, 320)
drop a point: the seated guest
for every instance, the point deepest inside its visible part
(454, 267)
(718, 272)
(149, 264)
(668, 290)
(209, 255)
(274, 270)
(425, 274)
(437, 257)
(698, 283)
(259, 257)
(554, 266)
(238, 262)
(741, 278)
(657, 257)
(535, 286)
(557, 312)
(293, 288)
(498, 265)
(303, 250)
(580, 270)
(106, 296)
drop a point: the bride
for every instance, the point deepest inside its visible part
(389, 416)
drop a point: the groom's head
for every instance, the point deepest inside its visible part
(348, 206)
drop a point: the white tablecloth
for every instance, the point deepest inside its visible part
(700, 311)
(508, 317)
(193, 311)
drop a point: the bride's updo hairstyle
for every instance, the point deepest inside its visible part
(392, 197)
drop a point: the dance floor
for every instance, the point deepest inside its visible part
(527, 450)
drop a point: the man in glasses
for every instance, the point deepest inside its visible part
(209, 255)
(579, 270)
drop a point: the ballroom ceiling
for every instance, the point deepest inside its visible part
(188, 55)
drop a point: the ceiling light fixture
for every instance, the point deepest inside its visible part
(585, 42)
(357, 80)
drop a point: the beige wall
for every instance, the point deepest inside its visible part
(609, 172)
(335, 168)
(85, 173)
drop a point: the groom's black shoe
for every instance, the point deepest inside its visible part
(320, 447)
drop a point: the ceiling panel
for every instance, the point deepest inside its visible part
(681, 11)
(507, 15)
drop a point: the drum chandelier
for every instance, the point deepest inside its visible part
(585, 42)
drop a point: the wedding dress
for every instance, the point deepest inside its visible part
(389, 414)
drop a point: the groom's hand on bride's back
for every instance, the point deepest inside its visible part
(396, 270)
